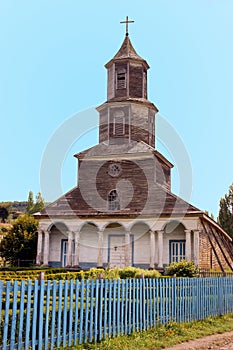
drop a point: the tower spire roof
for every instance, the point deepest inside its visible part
(127, 51)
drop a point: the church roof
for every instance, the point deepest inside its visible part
(127, 51)
(107, 149)
(161, 202)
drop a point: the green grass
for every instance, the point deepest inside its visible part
(164, 336)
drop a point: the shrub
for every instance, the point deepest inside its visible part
(182, 269)
(149, 274)
(93, 273)
(112, 274)
(129, 272)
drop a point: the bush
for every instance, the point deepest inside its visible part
(182, 269)
(148, 274)
(129, 272)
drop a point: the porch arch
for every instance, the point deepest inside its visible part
(88, 245)
(176, 242)
(58, 244)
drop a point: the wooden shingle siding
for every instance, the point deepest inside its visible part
(111, 82)
(212, 257)
(103, 125)
(136, 80)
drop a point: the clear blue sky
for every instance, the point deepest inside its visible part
(52, 66)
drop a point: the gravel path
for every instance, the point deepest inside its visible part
(217, 341)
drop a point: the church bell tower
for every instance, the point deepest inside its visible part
(127, 114)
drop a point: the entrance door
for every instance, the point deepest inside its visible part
(64, 249)
(117, 250)
(64, 252)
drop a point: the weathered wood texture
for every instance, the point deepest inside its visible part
(111, 82)
(136, 80)
(139, 185)
(139, 123)
(215, 253)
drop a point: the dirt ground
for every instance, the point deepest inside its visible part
(218, 341)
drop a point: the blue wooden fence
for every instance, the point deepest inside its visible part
(53, 314)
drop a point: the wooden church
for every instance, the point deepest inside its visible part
(122, 211)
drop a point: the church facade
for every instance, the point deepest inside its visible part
(122, 211)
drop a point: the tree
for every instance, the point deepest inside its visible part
(211, 215)
(225, 215)
(4, 213)
(5, 208)
(34, 207)
(30, 204)
(39, 205)
(20, 241)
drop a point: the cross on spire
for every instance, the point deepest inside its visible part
(126, 22)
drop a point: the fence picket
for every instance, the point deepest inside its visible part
(48, 287)
(28, 315)
(76, 315)
(130, 308)
(86, 312)
(126, 306)
(59, 315)
(137, 305)
(40, 312)
(118, 306)
(96, 310)
(109, 308)
(81, 312)
(105, 306)
(34, 317)
(122, 305)
(91, 311)
(70, 331)
(65, 299)
(6, 320)
(100, 325)
(53, 321)
(114, 309)
(1, 292)
(21, 315)
(14, 315)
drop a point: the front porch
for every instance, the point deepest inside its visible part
(116, 244)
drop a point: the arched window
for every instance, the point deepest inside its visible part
(113, 200)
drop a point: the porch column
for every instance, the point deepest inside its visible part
(39, 248)
(100, 249)
(69, 249)
(196, 238)
(152, 250)
(127, 249)
(46, 248)
(76, 249)
(188, 245)
(160, 249)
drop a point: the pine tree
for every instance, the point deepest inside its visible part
(225, 216)
(39, 205)
(30, 204)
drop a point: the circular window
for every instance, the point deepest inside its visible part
(114, 169)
